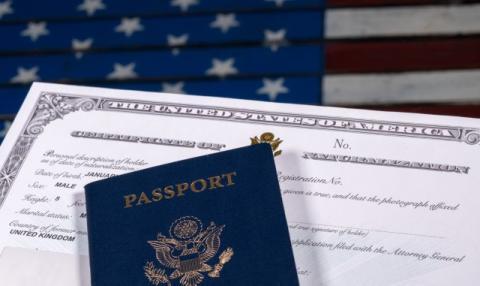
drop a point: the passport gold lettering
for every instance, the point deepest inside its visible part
(229, 177)
(143, 199)
(157, 195)
(169, 192)
(129, 199)
(215, 182)
(179, 190)
(194, 186)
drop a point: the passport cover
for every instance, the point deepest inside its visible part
(211, 220)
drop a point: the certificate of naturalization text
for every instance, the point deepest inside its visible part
(371, 198)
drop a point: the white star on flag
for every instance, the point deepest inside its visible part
(272, 88)
(173, 87)
(225, 22)
(184, 5)
(275, 39)
(176, 41)
(5, 8)
(279, 3)
(80, 46)
(129, 26)
(222, 68)
(123, 71)
(35, 30)
(91, 6)
(6, 126)
(25, 75)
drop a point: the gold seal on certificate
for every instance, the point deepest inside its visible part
(268, 138)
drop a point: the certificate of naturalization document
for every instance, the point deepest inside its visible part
(371, 198)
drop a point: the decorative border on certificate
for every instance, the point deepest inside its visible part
(48, 108)
(51, 106)
(460, 134)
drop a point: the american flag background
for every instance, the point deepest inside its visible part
(382, 54)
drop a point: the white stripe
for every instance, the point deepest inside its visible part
(403, 21)
(415, 87)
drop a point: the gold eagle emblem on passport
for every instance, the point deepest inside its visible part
(186, 253)
(268, 137)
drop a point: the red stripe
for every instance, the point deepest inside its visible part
(455, 110)
(402, 55)
(367, 3)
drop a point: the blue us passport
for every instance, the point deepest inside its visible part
(211, 220)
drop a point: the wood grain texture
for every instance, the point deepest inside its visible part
(371, 3)
(414, 87)
(402, 21)
(466, 110)
(403, 55)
